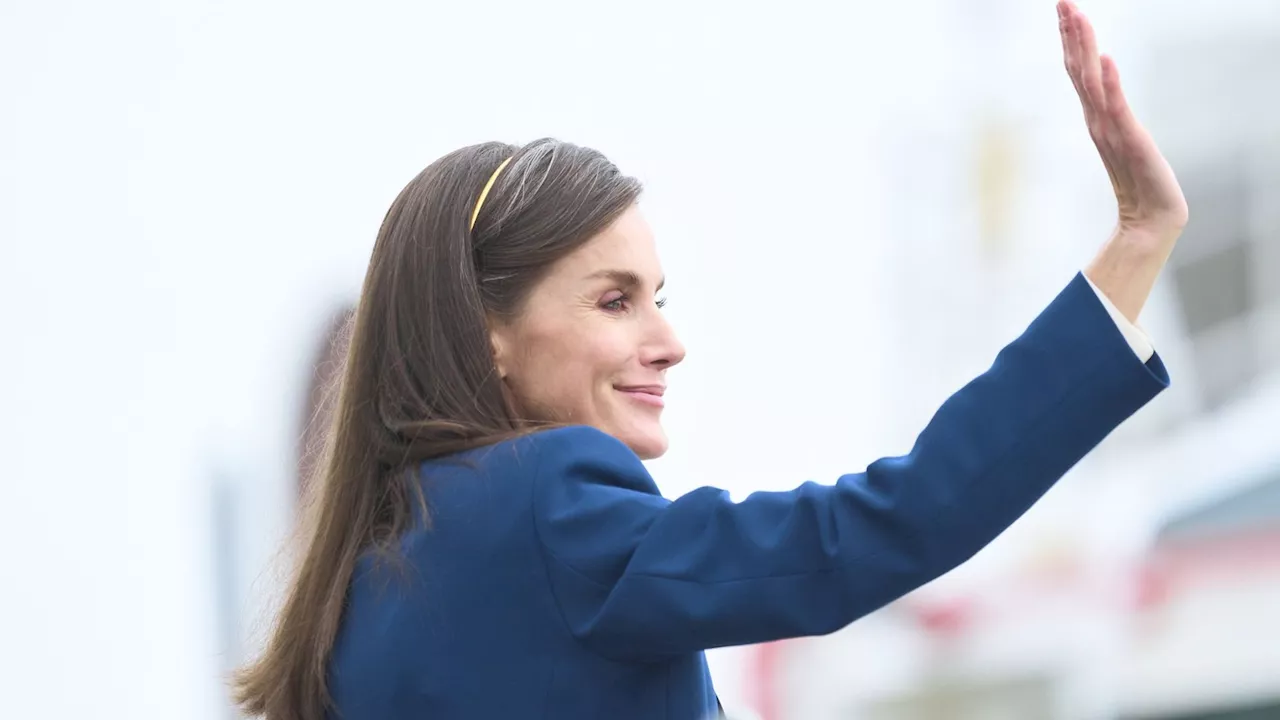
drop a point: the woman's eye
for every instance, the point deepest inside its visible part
(621, 303)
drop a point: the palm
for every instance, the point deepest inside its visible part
(1147, 192)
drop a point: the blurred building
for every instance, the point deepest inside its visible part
(1202, 641)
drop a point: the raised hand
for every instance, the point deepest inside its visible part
(1151, 204)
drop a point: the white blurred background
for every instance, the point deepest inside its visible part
(857, 204)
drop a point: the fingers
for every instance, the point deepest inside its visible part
(1117, 106)
(1120, 116)
(1090, 66)
(1071, 51)
(1080, 56)
(1069, 60)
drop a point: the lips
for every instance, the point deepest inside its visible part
(647, 394)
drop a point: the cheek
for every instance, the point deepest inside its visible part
(563, 373)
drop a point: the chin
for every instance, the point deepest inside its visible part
(649, 443)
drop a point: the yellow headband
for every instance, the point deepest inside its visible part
(485, 193)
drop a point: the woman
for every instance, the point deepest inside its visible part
(489, 545)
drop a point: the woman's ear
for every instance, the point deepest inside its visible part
(501, 349)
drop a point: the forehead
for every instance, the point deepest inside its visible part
(626, 245)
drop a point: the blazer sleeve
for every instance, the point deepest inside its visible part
(638, 577)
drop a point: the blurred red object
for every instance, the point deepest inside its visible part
(945, 618)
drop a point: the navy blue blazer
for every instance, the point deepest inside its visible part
(554, 581)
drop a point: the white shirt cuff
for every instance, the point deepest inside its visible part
(1137, 339)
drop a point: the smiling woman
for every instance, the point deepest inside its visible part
(591, 346)
(487, 542)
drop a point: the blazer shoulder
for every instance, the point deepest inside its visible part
(575, 440)
(557, 451)
(580, 454)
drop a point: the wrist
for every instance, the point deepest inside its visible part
(1128, 265)
(1154, 239)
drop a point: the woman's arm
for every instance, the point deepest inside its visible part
(639, 577)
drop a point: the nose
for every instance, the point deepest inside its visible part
(663, 349)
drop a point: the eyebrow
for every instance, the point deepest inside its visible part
(625, 278)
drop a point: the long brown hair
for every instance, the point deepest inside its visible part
(317, 411)
(420, 380)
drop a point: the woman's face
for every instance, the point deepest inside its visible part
(591, 346)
